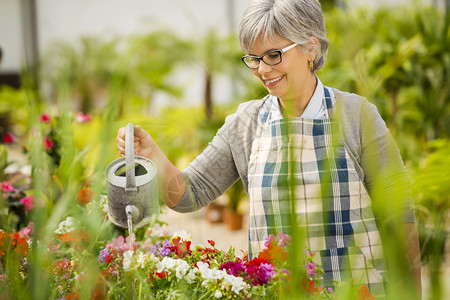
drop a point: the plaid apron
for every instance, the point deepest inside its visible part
(331, 202)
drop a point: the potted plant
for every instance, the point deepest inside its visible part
(232, 217)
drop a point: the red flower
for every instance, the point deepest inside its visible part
(180, 247)
(273, 254)
(161, 275)
(309, 286)
(20, 243)
(28, 202)
(47, 143)
(84, 196)
(363, 293)
(8, 138)
(44, 118)
(3, 242)
(212, 243)
(109, 259)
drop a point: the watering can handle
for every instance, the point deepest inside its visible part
(129, 158)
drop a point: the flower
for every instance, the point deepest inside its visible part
(363, 293)
(180, 247)
(27, 202)
(217, 294)
(66, 226)
(26, 231)
(8, 138)
(84, 196)
(47, 143)
(7, 187)
(311, 268)
(127, 260)
(103, 255)
(83, 118)
(44, 118)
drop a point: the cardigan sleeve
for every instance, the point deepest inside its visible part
(384, 172)
(211, 173)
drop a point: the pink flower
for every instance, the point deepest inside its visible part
(8, 138)
(44, 118)
(7, 187)
(47, 143)
(28, 202)
(83, 118)
(26, 231)
(311, 268)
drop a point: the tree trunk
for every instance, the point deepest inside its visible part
(208, 96)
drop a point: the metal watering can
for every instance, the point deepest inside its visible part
(132, 187)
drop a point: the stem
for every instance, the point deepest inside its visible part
(140, 290)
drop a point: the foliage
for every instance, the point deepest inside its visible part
(402, 66)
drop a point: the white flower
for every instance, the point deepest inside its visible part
(237, 283)
(183, 235)
(127, 259)
(104, 203)
(181, 268)
(218, 294)
(190, 277)
(159, 230)
(143, 259)
(202, 266)
(166, 264)
(66, 226)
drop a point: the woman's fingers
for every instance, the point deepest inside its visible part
(142, 141)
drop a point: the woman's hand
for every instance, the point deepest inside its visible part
(143, 142)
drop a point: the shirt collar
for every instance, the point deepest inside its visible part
(314, 110)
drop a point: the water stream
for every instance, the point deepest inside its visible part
(130, 227)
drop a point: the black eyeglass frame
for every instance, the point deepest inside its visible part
(261, 58)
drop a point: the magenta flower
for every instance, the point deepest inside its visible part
(83, 118)
(311, 268)
(8, 138)
(47, 143)
(7, 187)
(233, 268)
(28, 202)
(44, 118)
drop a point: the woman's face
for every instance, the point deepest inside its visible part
(289, 79)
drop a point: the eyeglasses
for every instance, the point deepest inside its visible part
(270, 58)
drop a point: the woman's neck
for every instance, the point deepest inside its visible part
(296, 107)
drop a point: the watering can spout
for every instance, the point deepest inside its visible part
(133, 212)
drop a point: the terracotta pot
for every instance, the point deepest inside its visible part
(213, 213)
(232, 219)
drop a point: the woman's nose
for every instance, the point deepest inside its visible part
(264, 68)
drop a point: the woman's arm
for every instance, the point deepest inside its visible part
(409, 231)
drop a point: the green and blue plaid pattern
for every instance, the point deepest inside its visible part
(331, 202)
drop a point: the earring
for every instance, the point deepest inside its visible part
(311, 64)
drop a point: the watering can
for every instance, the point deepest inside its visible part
(132, 187)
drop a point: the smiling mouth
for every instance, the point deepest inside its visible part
(273, 81)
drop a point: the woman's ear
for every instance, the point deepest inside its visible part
(313, 47)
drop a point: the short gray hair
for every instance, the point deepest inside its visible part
(294, 20)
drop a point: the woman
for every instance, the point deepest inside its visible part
(303, 141)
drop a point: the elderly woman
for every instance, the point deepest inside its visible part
(304, 142)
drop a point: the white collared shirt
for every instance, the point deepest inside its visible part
(314, 110)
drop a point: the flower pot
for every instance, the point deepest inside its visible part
(232, 219)
(213, 213)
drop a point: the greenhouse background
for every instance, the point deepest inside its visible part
(73, 72)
